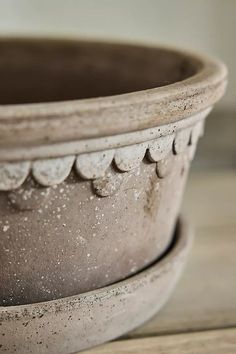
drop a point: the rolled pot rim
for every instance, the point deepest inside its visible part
(33, 124)
(178, 249)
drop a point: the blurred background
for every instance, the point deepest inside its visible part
(207, 26)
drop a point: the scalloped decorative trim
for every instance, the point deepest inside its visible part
(93, 166)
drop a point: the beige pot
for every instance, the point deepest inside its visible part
(91, 183)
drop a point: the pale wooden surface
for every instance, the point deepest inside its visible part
(210, 342)
(200, 318)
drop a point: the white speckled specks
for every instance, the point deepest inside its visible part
(29, 197)
(5, 228)
(108, 184)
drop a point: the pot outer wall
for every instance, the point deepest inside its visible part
(66, 239)
(79, 322)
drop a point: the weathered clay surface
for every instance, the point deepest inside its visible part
(91, 188)
(78, 322)
(65, 240)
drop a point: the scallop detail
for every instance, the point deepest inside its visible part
(52, 171)
(197, 132)
(129, 157)
(182, 140)
(165, 166)
(94, 165)
(158, 149)
(191, 151)
(12, 175)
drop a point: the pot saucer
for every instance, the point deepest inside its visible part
(79, 322)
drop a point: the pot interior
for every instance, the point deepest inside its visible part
(39, 70)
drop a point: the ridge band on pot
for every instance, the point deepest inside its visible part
(93, 166)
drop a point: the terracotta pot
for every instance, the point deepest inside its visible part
(92, 182)
(78, 322)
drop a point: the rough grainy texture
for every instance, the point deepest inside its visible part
(79, 322)
(91, 187)
(64, 240)
(61, 239)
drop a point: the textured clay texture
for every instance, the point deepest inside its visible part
(65, 240)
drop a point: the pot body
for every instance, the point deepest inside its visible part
(80, 235)
(90, 189)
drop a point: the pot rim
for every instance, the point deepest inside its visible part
(35, 124)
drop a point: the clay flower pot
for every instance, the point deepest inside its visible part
(95, 145)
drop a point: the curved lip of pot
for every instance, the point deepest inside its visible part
(35, 124)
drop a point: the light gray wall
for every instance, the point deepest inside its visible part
(203, 25)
